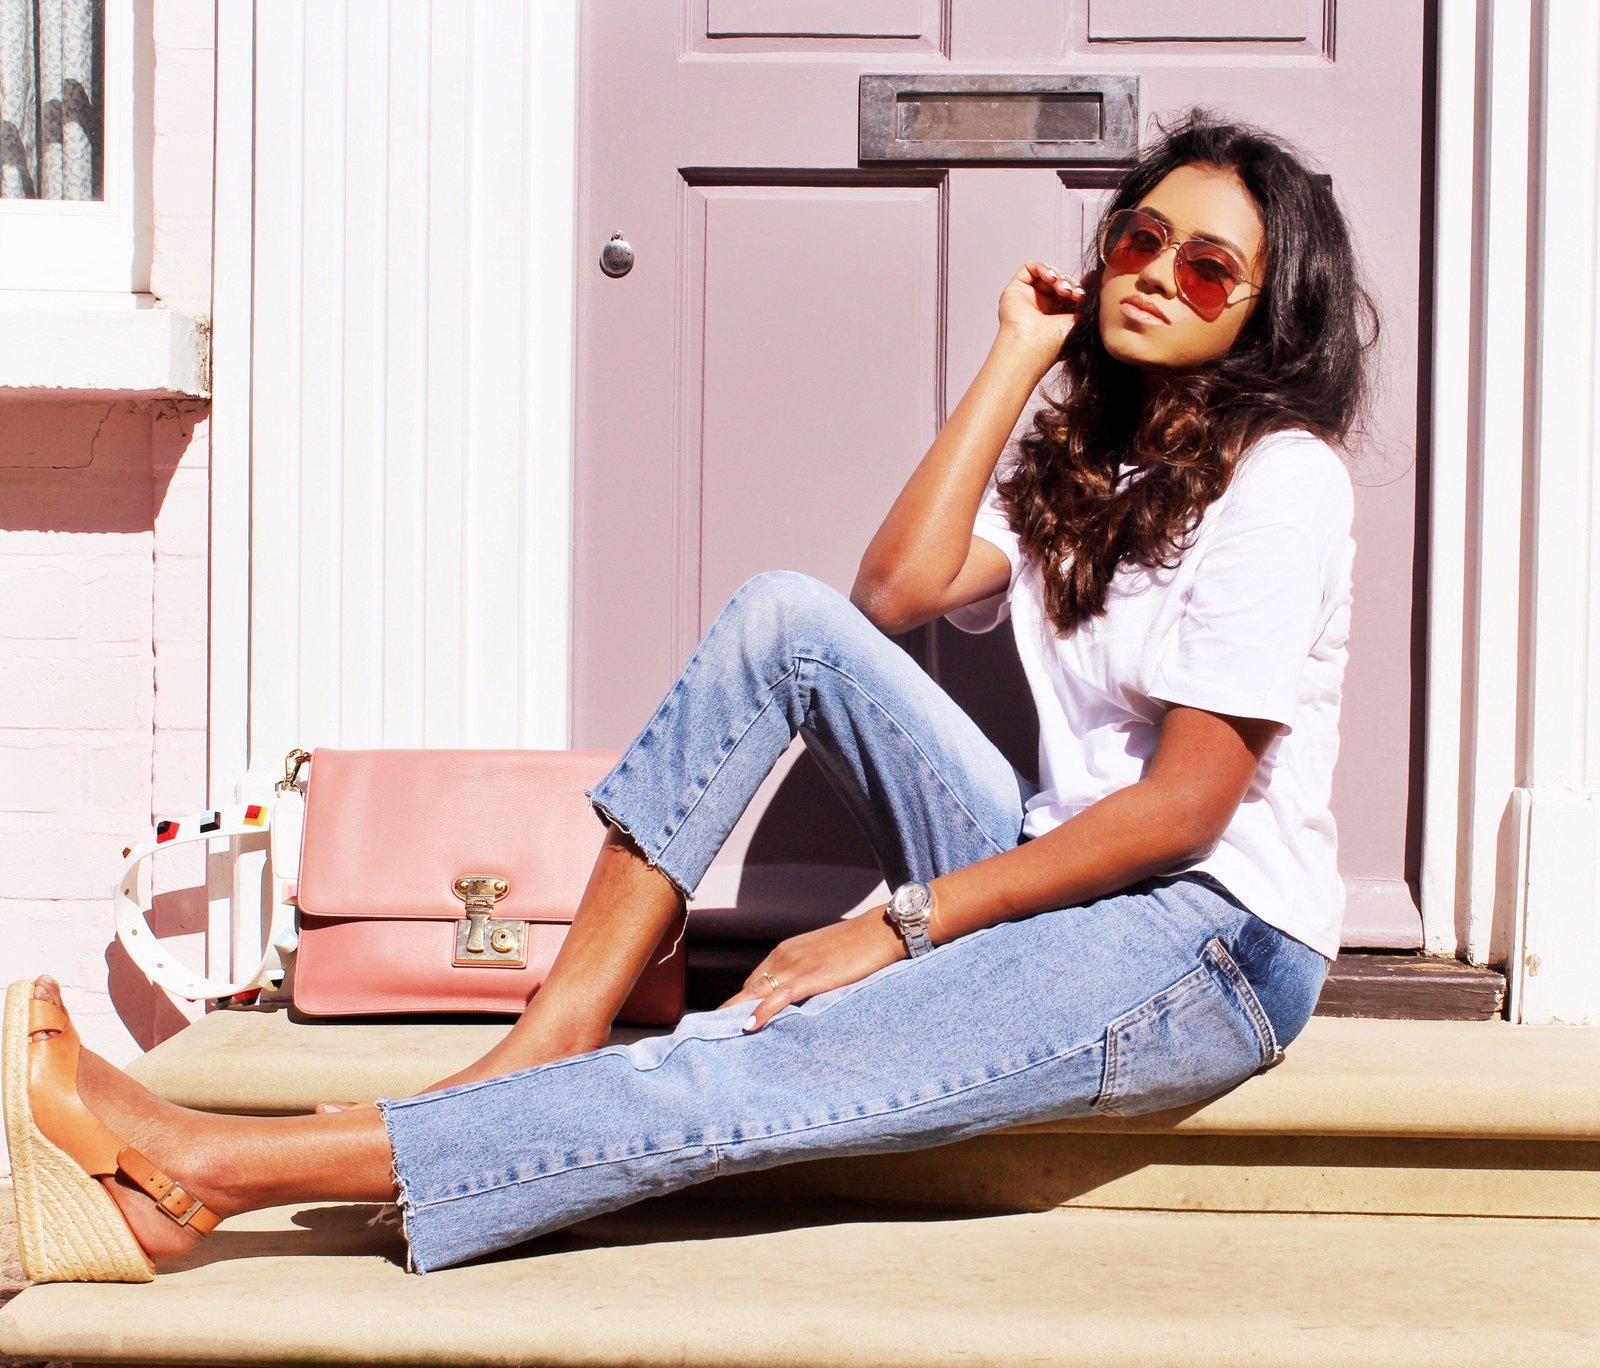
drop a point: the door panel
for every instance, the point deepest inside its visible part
(1273, 21)
(825, 373)
(819, 18)
(755, 392)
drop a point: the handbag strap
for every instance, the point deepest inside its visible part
(246, 820)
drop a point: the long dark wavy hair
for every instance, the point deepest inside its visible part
(1300, 362)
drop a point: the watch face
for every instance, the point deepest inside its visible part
(910, 899)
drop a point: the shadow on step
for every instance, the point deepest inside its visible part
(704, 1213)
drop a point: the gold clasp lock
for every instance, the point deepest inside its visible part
(482, 939)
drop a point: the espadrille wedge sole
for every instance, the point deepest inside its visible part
(68, 1227)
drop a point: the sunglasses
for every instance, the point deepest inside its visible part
(1205, 273)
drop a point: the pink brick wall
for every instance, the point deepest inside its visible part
(104, 536)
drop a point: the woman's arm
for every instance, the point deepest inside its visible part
(1201, 770)
(924, 560)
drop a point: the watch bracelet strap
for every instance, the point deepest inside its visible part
(917, 941)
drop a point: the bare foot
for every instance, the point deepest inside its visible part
(178, 1141)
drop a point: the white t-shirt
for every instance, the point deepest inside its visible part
(1252, 623)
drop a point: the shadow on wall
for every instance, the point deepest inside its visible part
(89, 462)
(84, 477)
(147, 1012)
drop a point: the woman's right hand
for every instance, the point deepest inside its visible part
(1041, 304)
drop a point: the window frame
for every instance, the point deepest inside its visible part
(97, 247)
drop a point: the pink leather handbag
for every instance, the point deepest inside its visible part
(445, 880)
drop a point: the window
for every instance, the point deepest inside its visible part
(75, 138)
(52, 90)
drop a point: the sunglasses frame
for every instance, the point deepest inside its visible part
(1179, 260)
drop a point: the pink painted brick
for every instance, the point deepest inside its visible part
(62, 863)
(178, 770)
(180, 438)
(185, 104)
(184, 24)
(39, 778)
(180, 176)
(182, 608)
(116, 779)
(185, 504)
(183, 744)
(76, 922)
(56, 434)
(118, 608)
(101, 504)
(180, 267)
(91, 694)
(181, 685)
(89, 556)
(43, 605)
(181, 258)
(179, 546)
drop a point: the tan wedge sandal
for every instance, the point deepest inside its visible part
(68, 1227)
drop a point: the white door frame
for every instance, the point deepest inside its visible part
(440, 91)
(1511, 844)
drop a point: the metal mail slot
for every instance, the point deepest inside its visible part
(999, 118)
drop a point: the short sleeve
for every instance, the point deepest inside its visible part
(1252, 617)
(994, 527)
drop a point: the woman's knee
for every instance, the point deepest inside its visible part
(786, 608)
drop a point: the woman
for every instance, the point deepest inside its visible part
(1147, 929)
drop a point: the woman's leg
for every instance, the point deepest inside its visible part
(788, 655)
(1142, 1001)
(791, 656)
(231, 1163)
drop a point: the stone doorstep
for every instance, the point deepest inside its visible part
(809, 1285)
(1415, 1118)
(1342, 1077)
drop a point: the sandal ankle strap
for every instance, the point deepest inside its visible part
(181, 1206)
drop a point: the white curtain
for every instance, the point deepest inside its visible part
(51, 93)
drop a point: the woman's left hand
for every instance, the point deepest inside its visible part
(829, 957)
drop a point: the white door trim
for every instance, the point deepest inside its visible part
(485, 100)
(233, 248)
(1511, 841)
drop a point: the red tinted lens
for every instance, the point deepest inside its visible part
(1205, 277)
(1132, 240)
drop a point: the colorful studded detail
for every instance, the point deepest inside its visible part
(166, 831)
(210, 821)
(255, 815)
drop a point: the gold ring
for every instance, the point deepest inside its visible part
(774, 982)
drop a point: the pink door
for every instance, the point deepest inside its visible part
(799, 317)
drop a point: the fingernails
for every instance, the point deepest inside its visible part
(751, 1024)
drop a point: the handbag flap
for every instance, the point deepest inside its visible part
(388, 832)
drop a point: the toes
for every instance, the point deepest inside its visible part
(46, 989)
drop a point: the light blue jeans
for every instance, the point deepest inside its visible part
(1164, 994)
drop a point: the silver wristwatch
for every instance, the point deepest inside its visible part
(909, 912)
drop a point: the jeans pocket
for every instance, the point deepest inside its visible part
(1192, 1040)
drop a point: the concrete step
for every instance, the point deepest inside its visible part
(1363, 1117)
(716, 1284)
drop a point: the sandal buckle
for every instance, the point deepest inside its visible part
(189, 1212)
